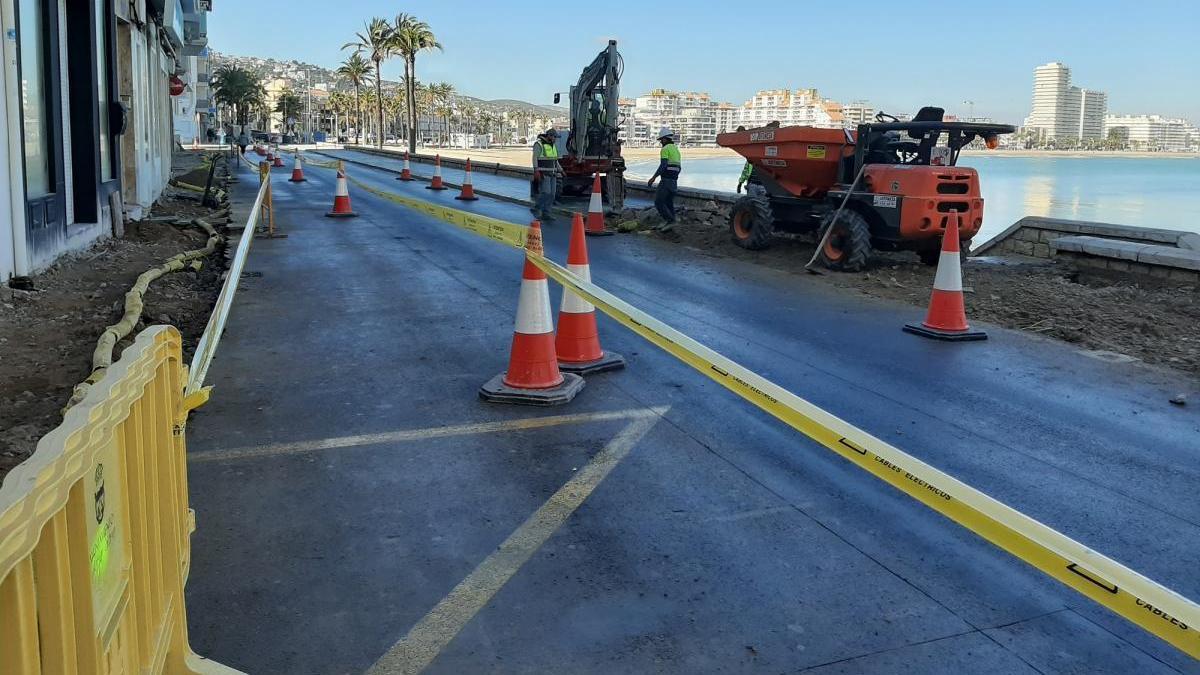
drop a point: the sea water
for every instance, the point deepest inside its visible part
(1143, 191)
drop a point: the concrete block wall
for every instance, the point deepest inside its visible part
(1031, 236)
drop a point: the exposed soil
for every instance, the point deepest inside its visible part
(47, 335)
(1160, 326)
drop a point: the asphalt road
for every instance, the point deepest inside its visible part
(667, 526)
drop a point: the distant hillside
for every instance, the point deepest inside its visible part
(299, 73)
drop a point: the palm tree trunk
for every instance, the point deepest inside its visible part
(409, 70)
(357, 114)
(379, 102)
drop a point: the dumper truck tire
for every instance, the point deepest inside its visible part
(751, 222)
(848, 249)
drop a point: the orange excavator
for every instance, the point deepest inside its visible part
(889, 185)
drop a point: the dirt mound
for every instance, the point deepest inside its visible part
(1157, 325)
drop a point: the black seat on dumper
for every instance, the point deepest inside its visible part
(926, 114)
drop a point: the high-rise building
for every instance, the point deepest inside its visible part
(1061, 111)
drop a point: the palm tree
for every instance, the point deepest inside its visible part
(443, 94)
(376, 40)
(239, 89)
(357, 71)
(411, 36)
(288, 103)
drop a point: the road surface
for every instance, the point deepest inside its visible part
(356, 502)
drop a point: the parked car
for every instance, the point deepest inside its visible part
(390, 139)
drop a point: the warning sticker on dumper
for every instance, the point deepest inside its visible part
(815, 152)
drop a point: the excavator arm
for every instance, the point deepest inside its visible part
(599, 82)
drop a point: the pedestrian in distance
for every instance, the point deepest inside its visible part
(545, 174)
(243, 141)
(669, 165)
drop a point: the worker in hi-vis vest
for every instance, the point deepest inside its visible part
(746, 171)
(669, 164)
(545, 174)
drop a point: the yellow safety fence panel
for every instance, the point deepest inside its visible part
(1148, 604)
(95, 529)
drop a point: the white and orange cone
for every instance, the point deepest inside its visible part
(341, 196)
(947, 316)
(297, 171)
(406, 172)
(595, 216)
(278, 163)
(270, 155)
(467, 193)
(436, 182)
(533, 376)
(578, 342)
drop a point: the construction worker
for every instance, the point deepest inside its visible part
(746, 171)
(669, 164)
(545, 174)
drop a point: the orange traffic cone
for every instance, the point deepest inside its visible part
(595, 216)
(341, 196)
(436, 182)
(270, 155)
(406, 172)
(278, 163)
(578, 343)
(258, 149)
(947, 317)
(297, 171)
(468, 191)
(533, 377)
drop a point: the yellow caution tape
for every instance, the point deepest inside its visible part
(495, 229)
(1156, 608)
(1148, 604)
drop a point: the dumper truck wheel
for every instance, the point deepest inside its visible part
(751, 222)
(848, 249)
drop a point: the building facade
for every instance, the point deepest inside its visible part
(87, 123)
(1061, 111)
(1152, 132)
(696, 118)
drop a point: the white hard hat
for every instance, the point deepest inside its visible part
(665, 132)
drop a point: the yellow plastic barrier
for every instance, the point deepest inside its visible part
(1143, 601)
(95, 529)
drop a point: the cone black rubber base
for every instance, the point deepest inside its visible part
(608, 361)
(293, 180)
(956, 336)
(601, 233)
(467, 199)
(495, 391)
(406, 180)
(350, 214)
(430, 187)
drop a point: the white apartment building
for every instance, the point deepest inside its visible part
(696, 118)
(1153, 132)
(1062, 111)
(802, 107)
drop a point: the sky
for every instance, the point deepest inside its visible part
(898, 56)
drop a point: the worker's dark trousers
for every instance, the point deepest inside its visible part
(664, 198)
